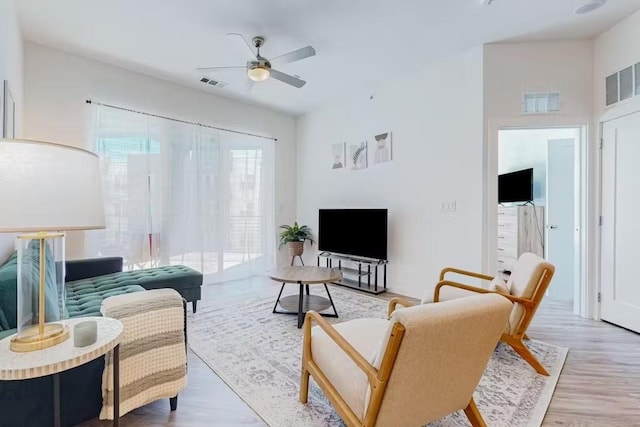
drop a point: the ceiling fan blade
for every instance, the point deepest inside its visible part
(295, 55)
(251, 49)
(248, 85)
(221, 68)
(286, 78)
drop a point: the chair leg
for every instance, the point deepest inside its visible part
(173, 403)
(194, 303)
(304, 386)
(526, 354)
(471, 411)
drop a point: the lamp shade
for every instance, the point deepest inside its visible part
(48, 187)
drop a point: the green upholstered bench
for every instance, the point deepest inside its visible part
(85, 295)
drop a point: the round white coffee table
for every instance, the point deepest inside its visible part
(64, 356)
(305, 276)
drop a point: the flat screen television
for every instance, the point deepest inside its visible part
(516, 186)
(357, 232)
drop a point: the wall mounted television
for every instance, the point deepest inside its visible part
(516, 186)
(357, 232)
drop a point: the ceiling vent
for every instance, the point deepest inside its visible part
(212, 82)
(541, 103)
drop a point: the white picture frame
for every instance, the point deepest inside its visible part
(8, 113)
(358, 156)
(382, 150)
(339, 155)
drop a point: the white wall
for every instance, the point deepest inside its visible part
(511, 69)
(435, 116)
(615, 50)
(57, 84)
(10, 69)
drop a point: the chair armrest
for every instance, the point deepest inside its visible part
(393, 303)
(92, 267)
(527, 303)
(344, 345)
(442, 283)
(464, 273)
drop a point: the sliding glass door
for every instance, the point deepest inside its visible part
(184, 194)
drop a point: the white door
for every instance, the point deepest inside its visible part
(560, 211)
(620, 256)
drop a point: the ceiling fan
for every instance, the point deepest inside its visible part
(259, 69)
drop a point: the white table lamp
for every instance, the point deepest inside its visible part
(45, 189)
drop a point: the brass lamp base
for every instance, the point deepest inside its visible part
(31, 340)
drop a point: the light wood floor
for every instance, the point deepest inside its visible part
(599, 385)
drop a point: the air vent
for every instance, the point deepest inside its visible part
(541, 103)
(212, 82)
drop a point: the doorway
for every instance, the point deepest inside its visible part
(553, 201)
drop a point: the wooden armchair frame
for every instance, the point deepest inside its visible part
(530, 307)
(377, 378)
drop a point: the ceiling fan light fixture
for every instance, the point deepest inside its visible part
(258, 73)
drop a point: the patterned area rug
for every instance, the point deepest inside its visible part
(257, 353)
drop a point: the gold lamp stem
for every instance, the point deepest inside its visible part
(43, 265)
(32, 336)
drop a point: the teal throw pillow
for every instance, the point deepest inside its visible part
(8, 293)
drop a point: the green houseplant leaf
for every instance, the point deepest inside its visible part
(295, 233)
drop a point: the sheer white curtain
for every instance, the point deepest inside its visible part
(178, 193)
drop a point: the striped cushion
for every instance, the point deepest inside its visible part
(153, 357)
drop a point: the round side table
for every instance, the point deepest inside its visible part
(305, 276)
(64, 356)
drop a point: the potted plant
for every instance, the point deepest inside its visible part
(294, 237)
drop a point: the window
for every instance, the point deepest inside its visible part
(184, 194)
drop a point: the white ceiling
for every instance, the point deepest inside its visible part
(360, 44)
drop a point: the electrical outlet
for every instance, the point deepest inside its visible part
(449, 206)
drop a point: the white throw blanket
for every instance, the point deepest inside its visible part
(153, 360)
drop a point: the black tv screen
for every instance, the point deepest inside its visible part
(358, 232)
(516, 186)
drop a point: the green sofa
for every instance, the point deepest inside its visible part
(88, 283)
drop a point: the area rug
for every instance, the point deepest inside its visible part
(257, 353)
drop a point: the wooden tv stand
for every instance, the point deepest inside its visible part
(359, 274)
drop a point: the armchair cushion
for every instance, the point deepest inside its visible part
(525, 275)
(444, 352)
(365, 335)
(523, 283)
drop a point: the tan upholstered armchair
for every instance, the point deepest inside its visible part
(423, 363)
(525, 287)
